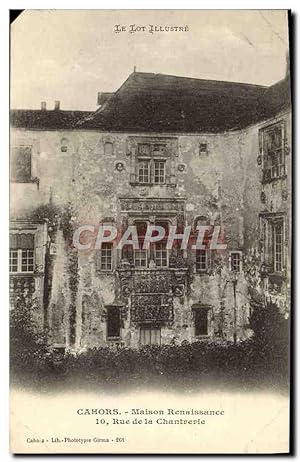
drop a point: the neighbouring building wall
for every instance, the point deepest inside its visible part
(42, 166)
(268, 203)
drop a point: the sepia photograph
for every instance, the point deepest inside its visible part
(150, 231)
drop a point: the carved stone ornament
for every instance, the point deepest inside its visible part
(120, 166)
(126, 291)
(144, 192)
(181, 168)
(259, 160)
(286, 148)
(178, 290)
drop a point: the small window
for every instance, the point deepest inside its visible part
(64, 145)
(203, 149)
(21, 164)
(106, 256)
(113, 322)
(108, 149)
(201, 321)
(150, 335)
(235, 261)
(201, 260)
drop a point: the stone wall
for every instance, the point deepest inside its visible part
(223, 184)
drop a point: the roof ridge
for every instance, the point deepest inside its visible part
(195, 79)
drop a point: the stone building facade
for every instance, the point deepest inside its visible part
(160, 150)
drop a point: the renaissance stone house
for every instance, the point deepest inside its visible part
(160, 150)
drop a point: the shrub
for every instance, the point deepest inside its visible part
(28, 347)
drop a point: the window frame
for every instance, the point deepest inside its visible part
(277, 154)
(155, 175)
(151, 157)
(234, 253)
(201, 270)
(137, 257)
(151, 251)
(148, 163)
(267, 225)
(156, 244)
(104, 246)
(20, 261)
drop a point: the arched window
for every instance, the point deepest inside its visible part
(64, 144)
(108, 148)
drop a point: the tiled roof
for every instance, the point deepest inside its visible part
(162, 103)
(45, 120)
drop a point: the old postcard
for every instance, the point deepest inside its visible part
(150, 232)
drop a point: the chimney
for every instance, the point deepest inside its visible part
(43, 106)
(56, 105)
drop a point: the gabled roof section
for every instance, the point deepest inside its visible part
(163, 103)
(32, 119)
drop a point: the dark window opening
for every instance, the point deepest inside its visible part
(201, 321)
(203, 149)
(64, 145)
(113, 322)
(235, 260)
